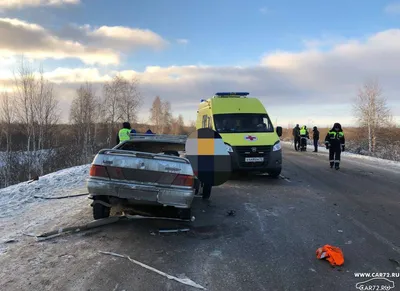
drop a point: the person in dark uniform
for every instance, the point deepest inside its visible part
(149, 132)
(335, 142)
(296, 136)
(315, 138)
(123, 133)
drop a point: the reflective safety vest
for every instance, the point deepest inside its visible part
(336, 135)
(123, 134)
(303, 131)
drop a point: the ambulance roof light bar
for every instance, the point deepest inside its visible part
(231, 94)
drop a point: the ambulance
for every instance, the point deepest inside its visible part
(246, 129)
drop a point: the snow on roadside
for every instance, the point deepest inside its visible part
(45, 216)
(15, 198)
(379, 161)
(21, 213)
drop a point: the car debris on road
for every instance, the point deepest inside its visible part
(231, 213)
(333, 255)
(185, 281)
(173, 230)
(90, 225)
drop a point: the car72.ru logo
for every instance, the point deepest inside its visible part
(375, 284)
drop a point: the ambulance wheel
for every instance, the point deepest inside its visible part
(274, 173)
(185, 214)
(206, 193)
(196, 186)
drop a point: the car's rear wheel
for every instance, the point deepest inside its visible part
(99, 210)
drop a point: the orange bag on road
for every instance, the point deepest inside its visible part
(332, 254)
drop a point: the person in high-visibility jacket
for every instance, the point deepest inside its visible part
(304, 131)
(304, 135)
(335, 142)
(123, 133)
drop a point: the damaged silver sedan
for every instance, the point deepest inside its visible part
(146, 170)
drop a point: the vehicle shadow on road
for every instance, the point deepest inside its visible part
(251, 178)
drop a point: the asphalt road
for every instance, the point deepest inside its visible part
(269, 244)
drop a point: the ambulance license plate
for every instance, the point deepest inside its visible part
(252, 160)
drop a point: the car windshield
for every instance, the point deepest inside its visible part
(242, 122)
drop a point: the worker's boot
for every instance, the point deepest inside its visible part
(331, 165)
(337, 166)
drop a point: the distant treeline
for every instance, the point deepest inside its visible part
(61, 150)
(34, 143)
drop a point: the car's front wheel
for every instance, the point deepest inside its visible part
(99, 210)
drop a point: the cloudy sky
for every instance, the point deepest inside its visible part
(304, 59)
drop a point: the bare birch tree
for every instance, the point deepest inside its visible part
(45, 106)
(24, 97)
(82, 114)
(156, 114)
(111, 106)
(192, 126)
(97, 119)
(167, 118)
(178, 125)
(7, 118)
(161, 115)
(129, 100)
(122, 100)
(371, 111)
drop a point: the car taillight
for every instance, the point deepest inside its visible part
(98, 171)
(183, 180)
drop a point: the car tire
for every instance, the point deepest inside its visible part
(274, 173)
(206, 193)
(99, 210)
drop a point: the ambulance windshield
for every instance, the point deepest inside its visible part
(242, 123)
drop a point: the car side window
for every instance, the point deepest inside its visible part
(209, 122)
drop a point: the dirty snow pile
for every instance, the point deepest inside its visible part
(69, 181)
